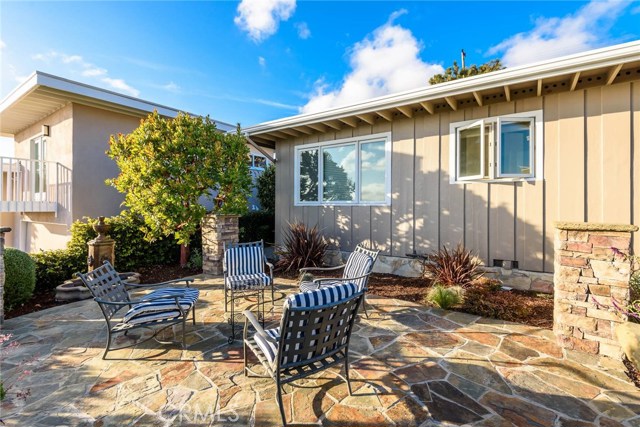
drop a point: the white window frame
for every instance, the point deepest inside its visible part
(479, 123)
(536, 153)
(386, 137)
(532, 144)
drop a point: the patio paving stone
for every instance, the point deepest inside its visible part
(411, 366)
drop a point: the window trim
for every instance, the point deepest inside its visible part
(358, 141)
(498, 171)
(536, 154)
(472, 124)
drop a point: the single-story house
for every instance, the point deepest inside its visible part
(490, 161)
(60, 130)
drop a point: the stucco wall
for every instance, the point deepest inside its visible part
(591, 173)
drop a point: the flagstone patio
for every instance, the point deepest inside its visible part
(412, 366)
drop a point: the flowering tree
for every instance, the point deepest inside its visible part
(167, 165)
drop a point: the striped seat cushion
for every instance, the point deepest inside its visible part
(358, 264)
(161, 309)
(269, 349)
(323, 296)
(247, 281)
(244, 259)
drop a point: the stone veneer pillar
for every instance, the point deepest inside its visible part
(2, 231)
(587, 275)
(217, 230)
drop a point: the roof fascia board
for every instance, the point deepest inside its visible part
(601, 58)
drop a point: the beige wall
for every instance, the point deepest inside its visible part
(591, 173)
(91, 130)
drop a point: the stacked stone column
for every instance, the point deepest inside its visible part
(216, 231)
(589, 273)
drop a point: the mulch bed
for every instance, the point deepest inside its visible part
(632, 372)
(39, 301)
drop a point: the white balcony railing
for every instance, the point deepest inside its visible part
(28, 185)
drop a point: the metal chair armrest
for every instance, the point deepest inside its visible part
(251, 318)
(305, 269)
(139, 301)
(187, 280)
(340, 279)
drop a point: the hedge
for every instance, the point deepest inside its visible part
(257, 225)
(20, 277)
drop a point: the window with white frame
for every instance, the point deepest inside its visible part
(497, 148)
(256, 161)
(344, 172)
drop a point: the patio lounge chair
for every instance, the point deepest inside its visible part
(313, 335)
(244, 275)
(357, 270)
(165, 306)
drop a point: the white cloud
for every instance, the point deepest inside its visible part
(552, 37)
(78, 65)
(171, 87)
(2, 44)
(386, 61)
(260, 18)
(303, 30)
(262, 61)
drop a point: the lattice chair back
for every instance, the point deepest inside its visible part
(360, 263)
(317, 325)
(104, 283)
(243, 258)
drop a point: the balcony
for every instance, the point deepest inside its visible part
(28, 185)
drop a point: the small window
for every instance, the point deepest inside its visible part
(497, 148)
(350, 171)
(259, 162)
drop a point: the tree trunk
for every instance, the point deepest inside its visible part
(184, 255)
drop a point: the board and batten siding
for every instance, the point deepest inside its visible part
(591, 173)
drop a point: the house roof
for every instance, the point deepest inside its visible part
(598, 67)
(42, 94)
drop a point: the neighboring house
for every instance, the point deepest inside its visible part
(61, 130)
(490, 161)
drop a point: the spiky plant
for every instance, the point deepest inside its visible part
(444, 297)
(303, 247)
(453, 267)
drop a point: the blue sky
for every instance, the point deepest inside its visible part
(260, 60)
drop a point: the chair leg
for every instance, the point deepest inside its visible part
(225, 298)
(364, 306)
(194, 314)
(232, 319)
(104, 355)
(280, 404)
(346, 372)
(244, 352)
(273, 303)
(184, 341)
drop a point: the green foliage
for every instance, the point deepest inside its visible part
(195, 259)
(132, 250)
(453, 267)
(257, 225)
(454, 72)
(266, 185)
(166, 165)
(303, 247)
(445, 297)
(20, 279)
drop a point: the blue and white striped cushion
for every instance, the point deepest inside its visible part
(161, 309)
(240, 260)
(358, 264)
(324, 295)
(248, 281)
(311, 286)
(269, 349)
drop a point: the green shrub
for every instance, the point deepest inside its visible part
(20, 277)
(453, 267)
(445, 297)
(266, 185)
(257, 225)
(55, 266)
(132, 250)
(303, 247)
(195, 259)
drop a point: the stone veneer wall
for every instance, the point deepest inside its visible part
(217, 230)
(588, 273)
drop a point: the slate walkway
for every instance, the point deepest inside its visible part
(412, 366)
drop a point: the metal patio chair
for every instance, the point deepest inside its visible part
(357, 270)
(313, 335)
(165, 306)
(244, 275)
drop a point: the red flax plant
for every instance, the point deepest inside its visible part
(303, 247)
(453, 267)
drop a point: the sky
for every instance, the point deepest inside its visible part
(257, 60)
